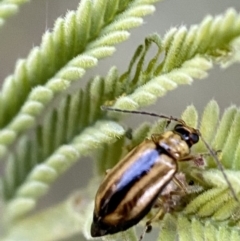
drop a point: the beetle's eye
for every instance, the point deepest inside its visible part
(194, 137)
(187, 135)
(182, 131)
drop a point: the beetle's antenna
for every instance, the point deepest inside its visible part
(220, 166)
(170, 118)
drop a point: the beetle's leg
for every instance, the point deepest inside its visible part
(181, 186)
(199, 158)
(148, 226)
(168, 202)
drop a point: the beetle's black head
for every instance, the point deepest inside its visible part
(188, 134)
(97, 229)
(100, 228)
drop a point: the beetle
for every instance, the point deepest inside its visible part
(131, 188)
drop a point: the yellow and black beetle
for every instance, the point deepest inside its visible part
(131, 188)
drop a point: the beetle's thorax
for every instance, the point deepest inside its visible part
(174, 145)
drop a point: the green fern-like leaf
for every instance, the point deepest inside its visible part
(53, 148)
(76, 44)
(70, 122)
(183, 229)
(187, 57)
(207, 215)
(78, 126)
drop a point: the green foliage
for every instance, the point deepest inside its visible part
(76, 44)
(77, 127)
(8, 8)
(213, 208)
(184, 229)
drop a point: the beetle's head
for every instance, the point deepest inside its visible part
(188, 134)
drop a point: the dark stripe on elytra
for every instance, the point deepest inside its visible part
(154, 179)
(135, 173)
(108, 206)
(108, 188)
(115, 176)
(125, 163)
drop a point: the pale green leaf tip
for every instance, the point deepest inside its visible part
(41, 94)
(7, 10)
(143, 10)
(7, 136)
(102, 51)
(190, 116)
(84, 61)
(58, 162)
(19, 206)
(32, 189)
(68, 151)
(112, 129)
(60, 84)
(126, 103)
(23, 122)
(144, 98)
(32, 108)
(63, 158)
(44, 173)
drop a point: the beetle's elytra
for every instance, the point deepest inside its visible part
(130, 189)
